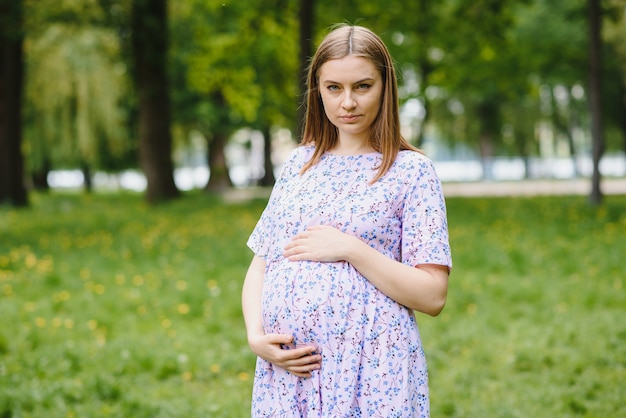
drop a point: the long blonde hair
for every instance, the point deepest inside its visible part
(385, 135)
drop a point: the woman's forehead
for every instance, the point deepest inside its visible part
(349, 67)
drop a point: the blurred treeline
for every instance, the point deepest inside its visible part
(489, 74)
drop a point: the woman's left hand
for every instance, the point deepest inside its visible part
(319, 243)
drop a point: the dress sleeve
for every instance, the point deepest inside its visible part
(424, 222)
(260, 239)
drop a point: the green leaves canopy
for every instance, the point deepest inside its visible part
(474, 65)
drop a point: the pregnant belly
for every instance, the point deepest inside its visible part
(313, 301)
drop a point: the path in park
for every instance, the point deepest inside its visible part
(612, 186)
(580, 187)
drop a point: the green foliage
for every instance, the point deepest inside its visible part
(236, 61)
(478, 67)
(76, 85)
(111, 308)
(552, 38)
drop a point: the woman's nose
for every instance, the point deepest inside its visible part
(348, 101)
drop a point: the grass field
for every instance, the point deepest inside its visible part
(110, 308)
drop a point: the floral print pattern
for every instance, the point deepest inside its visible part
(373, 363)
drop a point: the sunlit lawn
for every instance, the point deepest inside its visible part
(111, 308)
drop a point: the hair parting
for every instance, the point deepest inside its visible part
(350, 40)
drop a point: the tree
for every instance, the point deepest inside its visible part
(306, 22)
(12, 188)
(235, 67)
(81, 120)
(595, 92)
(614, 84)
(213, 63)
(275, 56)
(77, 121)
(425, 33)
(149, 49)
(550, 38)
(478, 75)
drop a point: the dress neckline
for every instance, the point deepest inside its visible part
(365, 154)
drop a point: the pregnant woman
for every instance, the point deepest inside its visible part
(354, 238)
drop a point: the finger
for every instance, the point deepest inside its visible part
(316, 227)
(294, 243)
(306, 360)
(299, 354)
(305, 375)
(294, 250)
(279, 338)
(301, 372)
(299, 257)
(300, 236)
(291, 245)
(289, 251)
(304, 368)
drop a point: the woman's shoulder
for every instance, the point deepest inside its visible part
(296, 158)
(414, 166)
(412, 157)
(300, 154)
(305, 150)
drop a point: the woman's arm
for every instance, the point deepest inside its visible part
(251, 297)
(423, 288)
(299, 361)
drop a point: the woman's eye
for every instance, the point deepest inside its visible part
(333, 88)
(363, 86)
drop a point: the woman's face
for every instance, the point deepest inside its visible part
(351, 90)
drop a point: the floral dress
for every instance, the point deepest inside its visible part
(373, 363)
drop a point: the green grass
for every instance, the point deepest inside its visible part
(109, 307)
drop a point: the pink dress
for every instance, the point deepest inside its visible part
(373, 362)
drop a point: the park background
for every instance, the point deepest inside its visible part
(138, 140)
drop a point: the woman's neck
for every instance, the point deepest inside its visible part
(353, 147)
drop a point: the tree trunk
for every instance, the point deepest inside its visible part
(565, 127)
(39, 177)
(489, 128)
(423, 30)
(306, 18)
(149, 47)
(12, 188)
(521, 142)
(595, 102)
(268, 178)
(623, 126)
(87, 182)
(219, 180)
(623, 112)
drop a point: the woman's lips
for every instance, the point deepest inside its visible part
(349, 118)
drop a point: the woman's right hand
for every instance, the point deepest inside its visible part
(299, 361)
